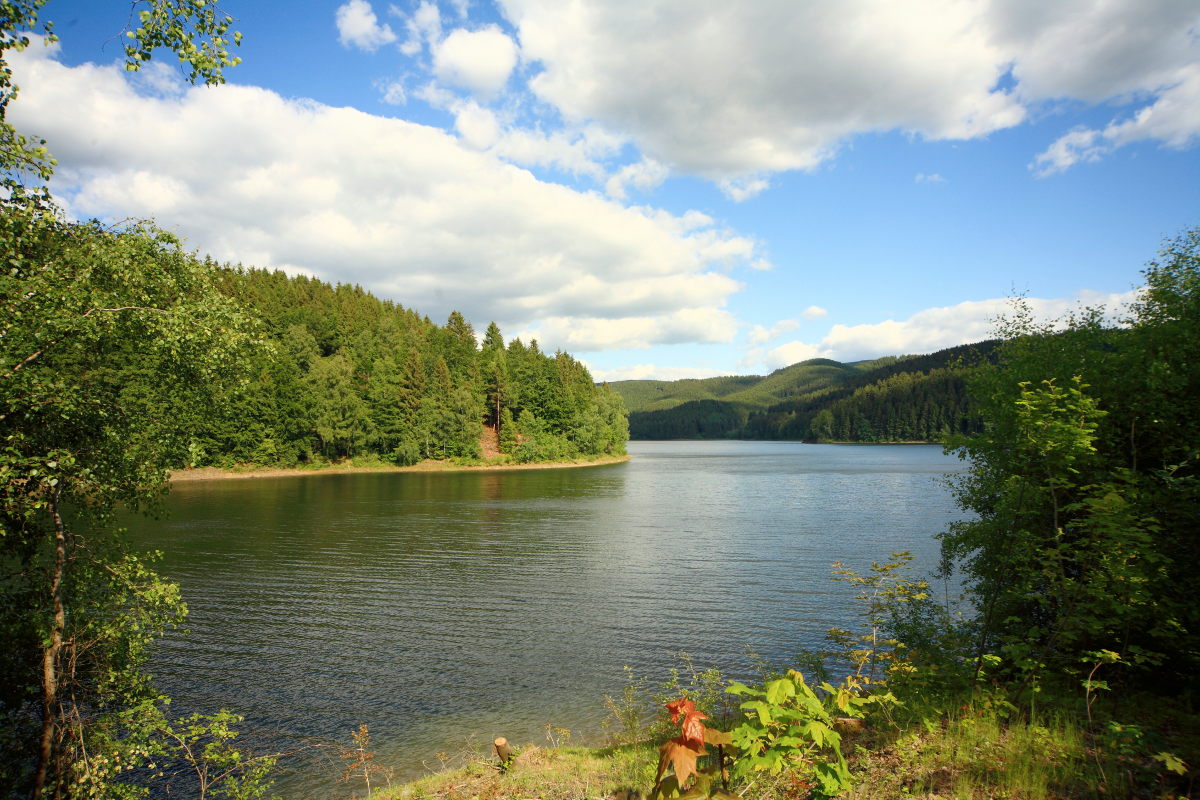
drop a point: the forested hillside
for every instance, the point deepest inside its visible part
(346, 374)
(894, 399)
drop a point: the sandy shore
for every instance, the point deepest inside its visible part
(216, 474)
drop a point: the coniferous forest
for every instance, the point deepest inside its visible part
(894, 399)
(344, 374)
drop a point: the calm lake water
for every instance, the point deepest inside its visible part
(444, 610)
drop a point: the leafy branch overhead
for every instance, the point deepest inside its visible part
(195, 30)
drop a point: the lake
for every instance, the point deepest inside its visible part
(445, 609)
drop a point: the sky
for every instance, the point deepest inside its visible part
(663, 188)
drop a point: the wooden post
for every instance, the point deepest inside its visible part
(503, 752)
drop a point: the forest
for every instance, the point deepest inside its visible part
(342, 374)
(894, 399)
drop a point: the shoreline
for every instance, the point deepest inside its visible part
(429, 465)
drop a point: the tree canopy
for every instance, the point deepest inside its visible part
(1084, 486)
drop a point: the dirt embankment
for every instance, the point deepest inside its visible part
(429, 465)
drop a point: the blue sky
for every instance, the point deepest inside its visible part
(664, 189)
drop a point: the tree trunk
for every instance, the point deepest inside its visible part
(50, 655)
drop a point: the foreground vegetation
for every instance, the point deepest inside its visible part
(973, 754)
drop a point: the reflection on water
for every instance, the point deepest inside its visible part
(441, 608)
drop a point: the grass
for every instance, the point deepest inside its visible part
(986, 753)
(976, 753)
(563, 773)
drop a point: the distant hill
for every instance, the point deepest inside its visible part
(897, 398)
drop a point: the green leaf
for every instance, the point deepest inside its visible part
(780, 690)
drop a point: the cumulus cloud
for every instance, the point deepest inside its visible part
(1173, 119)
(743, 188)
(760, 334)
(791, 353)
(359, 27)
(407, 210)
(705, 325)
(480, 61)
(424, 27)
(578, 152)
(930, 330)
(815, 312)
(648, 372)
(643, 175)
(392, 92)
(477, 126)
(736, 91)
(733, 90)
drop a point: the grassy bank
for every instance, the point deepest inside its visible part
(975, 753)
(562, 773)
(354, 466)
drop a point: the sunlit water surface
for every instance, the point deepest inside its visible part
(443, 610)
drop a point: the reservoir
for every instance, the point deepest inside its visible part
(445, 609)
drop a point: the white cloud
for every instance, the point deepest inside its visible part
(404, 209)
(476, 126)
(928, 177)
(642, 175)
(1093, 51)
(743, 188)
(1173, 119)
(359, 27)
(930, 330)
(575, 334)
(737, 91)
(759, 334)
(393, 92)
(791, 353)
(649, 372)
(478, 60)
(424, 27)
(734, 90)
(815, 312)
(573, 151)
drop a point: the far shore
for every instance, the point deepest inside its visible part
(429, 465)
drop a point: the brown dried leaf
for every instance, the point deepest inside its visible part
(681, 754)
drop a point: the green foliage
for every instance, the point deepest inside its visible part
(879, 595)
(789, 727)
(508, 431)
(199, 750)
(114, 343)
(1084, 486)
(627, 710)
(349, 375)
(704, 686)
(195, 30)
